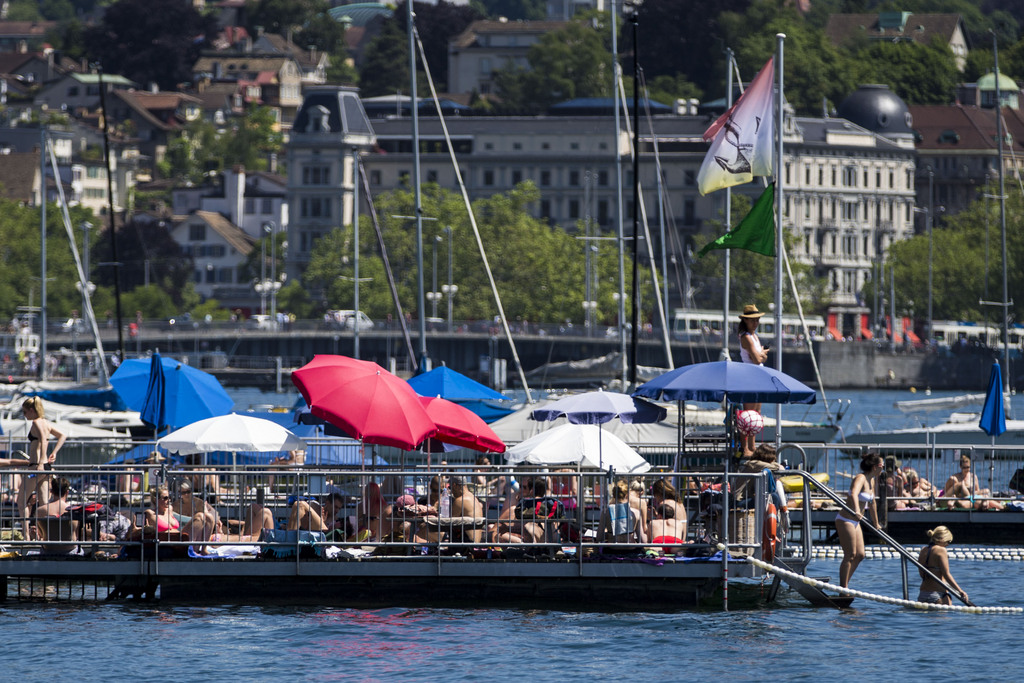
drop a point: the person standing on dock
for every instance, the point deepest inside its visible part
(863, 492)
(751, 351)
(39, 458)
(935, 559)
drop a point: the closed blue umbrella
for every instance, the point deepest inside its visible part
(189, 394)
(993, 415)
(737, 382)
(152, 411)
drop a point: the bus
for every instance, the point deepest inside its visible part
(694, 325)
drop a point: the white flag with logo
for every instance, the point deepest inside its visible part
(742, 138)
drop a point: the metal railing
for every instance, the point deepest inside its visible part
(110, 509)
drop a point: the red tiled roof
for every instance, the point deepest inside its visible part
(962, 127)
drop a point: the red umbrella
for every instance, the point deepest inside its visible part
(460, 426)
(364, 400)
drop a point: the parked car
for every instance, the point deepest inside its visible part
(347, 320)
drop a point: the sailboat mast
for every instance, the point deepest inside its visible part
(636, 204)
(780, 39)
(1002, 218)
(417, 195)
(728, 222)
(42, 250)
(620, 234)
(113, 222)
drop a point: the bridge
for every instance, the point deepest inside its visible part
(251, 354)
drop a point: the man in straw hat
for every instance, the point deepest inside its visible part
(751, 351)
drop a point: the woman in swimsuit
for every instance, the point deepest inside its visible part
(964, 484)
(39, 434)
(935, 558)
(163, 518)
(862, 495)
(751, 351)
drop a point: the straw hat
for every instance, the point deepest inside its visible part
(750, 311)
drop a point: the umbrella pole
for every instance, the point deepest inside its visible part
(725, 535)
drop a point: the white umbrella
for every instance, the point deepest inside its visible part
(578, 444)
(231, 433)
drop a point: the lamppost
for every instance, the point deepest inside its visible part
(588, 314)
(433, 295)
(265, 286)
(449, 289)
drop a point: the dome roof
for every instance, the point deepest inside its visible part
(877, 109)
(988, 82)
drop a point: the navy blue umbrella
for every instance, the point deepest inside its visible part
(993, 415)
(189, 394)
(737, 382)
(598, 407)
(153, 411)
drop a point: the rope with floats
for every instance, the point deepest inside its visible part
(822, 585)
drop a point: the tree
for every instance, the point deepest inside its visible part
(919, 74)
(538, 268)
(752, 276)
(815, 69)
(147, 254)
(565, 64)
(201, 147)
(385, 69)
(150, 41)
(685, 38)
(513, 10)
(436, 24)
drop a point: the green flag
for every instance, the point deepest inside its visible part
(756, 232)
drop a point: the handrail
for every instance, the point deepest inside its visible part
(836, 498)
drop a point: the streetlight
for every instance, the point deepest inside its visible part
(450, 290)
(588, 315)
(261, 286)
(433, 295)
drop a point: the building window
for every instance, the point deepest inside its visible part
(315, 207)
(211, 275)
(850, 176)
(375, 177)
(267, 206)
(545, 179)
(878, 179)
(821, 176)
(197, 233)
(602, 178)
(574, 178)
(517, 177)
(488, 178)
(432, 175)
(833, 176)
(574, 145)
(545, 209)
(807, 176)
(689, 178)
(249, 206)
(574, 209)
(517, 146)
(787, 174)
(689, 211)
(892, 179)
(545, 145)
(316, 175)
(602, 212)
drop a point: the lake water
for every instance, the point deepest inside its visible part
(789, 640)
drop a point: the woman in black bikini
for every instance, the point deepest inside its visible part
(39, 458)
(935, 558)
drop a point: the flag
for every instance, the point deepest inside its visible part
(756, 232)
(741, 138)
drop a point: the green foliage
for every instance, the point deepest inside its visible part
(919, 74)
(385, 68)
(667, 89)
(539, 270)
(565, 64)
(959, 260)
(201, 147)
(149, 41)
(294, 299)
(153, 301)
(513, 10)
(752, 276)
(815, 68)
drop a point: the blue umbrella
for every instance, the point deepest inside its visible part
(737, 382)
(993, 415)
(451, 385)
(598, 407)
(189, 394)
(153, 411)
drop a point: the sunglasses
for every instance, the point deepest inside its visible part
(165, 497)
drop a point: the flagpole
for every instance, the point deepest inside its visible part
(780, 39)
(728, 220)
